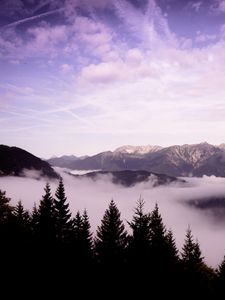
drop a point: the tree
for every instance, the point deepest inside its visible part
(172, 251)
(87, 242)
(191, 253)
(194, 269)
(140, 240)
(62, 213)
(159, 241)
(111, 238)
(5, 208)
(22, 220)
(6, 222)
(46, 217)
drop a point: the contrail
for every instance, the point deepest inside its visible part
(32, 18)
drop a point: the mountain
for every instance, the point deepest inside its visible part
(15, 161)
(137, 149)
(62, 161)
(130, 178)
(178, 160)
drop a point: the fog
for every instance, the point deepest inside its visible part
(96, 195)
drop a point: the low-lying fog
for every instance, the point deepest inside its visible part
(95, 197)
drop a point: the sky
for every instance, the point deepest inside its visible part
(83, 76)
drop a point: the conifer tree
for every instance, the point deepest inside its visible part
(172, 248)
(5, 208)
(62, 213)
(46, 217)
(159, 242)
(191, 254)
(22, 215)
(140, 240)
(22, 220)
(6, 222)
(77, 229)
(87, 242)
(34, 217)
(111, 238)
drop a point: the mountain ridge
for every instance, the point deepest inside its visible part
(177, 160)
(15, 161)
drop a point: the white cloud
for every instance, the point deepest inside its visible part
(95, 197)
(101, 73)
(65, 68)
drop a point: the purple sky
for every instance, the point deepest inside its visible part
(83, 76)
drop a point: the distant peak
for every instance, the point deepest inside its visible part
(128, 149)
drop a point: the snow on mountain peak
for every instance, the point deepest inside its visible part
(128, 149)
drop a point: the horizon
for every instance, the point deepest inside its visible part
(83, 77)
(114, 149)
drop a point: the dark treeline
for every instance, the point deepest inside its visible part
(48, 243)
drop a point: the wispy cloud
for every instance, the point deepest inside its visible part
(28, 19)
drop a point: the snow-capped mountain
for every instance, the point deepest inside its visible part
(137, 149)
(179, 160)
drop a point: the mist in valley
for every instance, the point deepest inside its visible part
(172, 200)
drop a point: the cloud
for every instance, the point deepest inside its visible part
(28, 19)
(101, 73)
(196, 6)
(218, 7)
(65, 68)
(95, 196)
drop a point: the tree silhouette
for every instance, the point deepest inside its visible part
(87, 242)
(140, 240)
(62, 213)
(158, 236)
(191, 254)
(5, 208)
(46, 217)
(111, 238)
(22, 223)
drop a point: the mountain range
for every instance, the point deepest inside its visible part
(178, 160)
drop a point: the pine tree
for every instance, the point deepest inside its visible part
(159, 242)
(87, 242)
(46, 217)
(22, 220)
(140, 240)
(34, 217)
(5, 208)
(6, 222)
(191, 254)
(172, 251)
(111, 238)
(62, 213)
(22, 215)
(77, 230)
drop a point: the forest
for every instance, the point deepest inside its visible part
(49, 243)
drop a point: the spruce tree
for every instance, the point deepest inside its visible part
(191, 253)
(111, 238)
(62, 214)
(140, 240)
(159, 242)
(46, 217)
(23, 222)
(6, 222)
(87, 242)
(197, 275)
(172, 251)
(5, 208)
